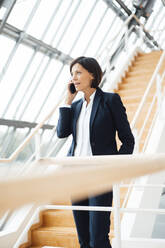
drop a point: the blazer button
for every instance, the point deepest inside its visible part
(93, 143)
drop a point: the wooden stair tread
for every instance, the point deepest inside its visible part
(142, 76)
(152, 54)
(132, 91)
(132, 85)
(57, 230)
(147, 63)
(55, 236)
(136, 81)
(139, 72)
(141, 58)
(58, 218)
(134, 97)
(56, 212)
(45, 246)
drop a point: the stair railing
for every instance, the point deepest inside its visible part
(159, 99)
(62, 183)
(154, 76)
(125, 25)
(29, 137)
(144, 98)
(130, 52)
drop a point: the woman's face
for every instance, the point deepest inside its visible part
(81, 78)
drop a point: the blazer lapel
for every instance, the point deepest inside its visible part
(96, 102)
(77, 113)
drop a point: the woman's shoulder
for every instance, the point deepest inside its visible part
(111, 95)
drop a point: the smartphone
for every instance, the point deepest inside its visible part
(72, 88)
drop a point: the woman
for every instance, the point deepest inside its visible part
(93, 122)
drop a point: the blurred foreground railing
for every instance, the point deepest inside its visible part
(78, 177)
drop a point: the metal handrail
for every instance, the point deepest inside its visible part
(147, 117)
(150, 108)
(67, 180)
(29, 137)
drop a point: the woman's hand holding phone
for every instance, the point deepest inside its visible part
(71, 93)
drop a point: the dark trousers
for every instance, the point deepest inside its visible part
(93, 226)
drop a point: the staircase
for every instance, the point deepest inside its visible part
(132, 88)
(56, 227)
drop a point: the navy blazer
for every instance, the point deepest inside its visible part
(108, 116)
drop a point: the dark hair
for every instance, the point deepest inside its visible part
(92, 66)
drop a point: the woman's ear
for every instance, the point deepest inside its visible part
(92, 77)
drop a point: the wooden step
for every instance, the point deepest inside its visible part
(148, 63)
(146, 73)
(57, 236)
(143, 58)
(150, 66)
(140, 67)
(130, 115)
(140, 76)
(143, 67)
(66, 203)
(134, 91)
(132, 79)
(135, 99)
(132, 85)
(133, 107)
(58, 218)
(146, 60)
(129, 84)
(151, 54)
(144, 70)
(45, 246)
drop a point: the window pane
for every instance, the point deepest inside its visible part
(20, 13)
(6, 46)
(12, 76)
(87, 33)
(56, 93)
(42, 85)
(41, 18)
(75, 26)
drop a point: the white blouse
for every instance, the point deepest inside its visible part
(83, 147)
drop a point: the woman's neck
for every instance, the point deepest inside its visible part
(88, 93)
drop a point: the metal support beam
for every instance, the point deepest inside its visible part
(121, 3)
(118, 12)
(15, 33)
(22, 124)
(9, 6)
(111, 5)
